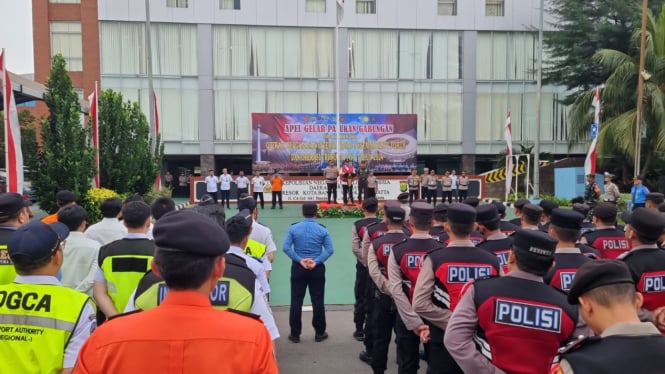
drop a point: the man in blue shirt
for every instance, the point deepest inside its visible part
(638, 193)
(309, 245)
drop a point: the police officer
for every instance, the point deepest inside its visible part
(530, 218)
(612, 193)
(360, 289)
(565, 227)
(377, 229)
(439, 218)
(506, 227)
(330, 173)
(308, 245)
(517, 206)
(547, 206)
(413, 181)
(403, 199)
(243, 222)
(383, 309)
(653, 200)
(442, 277)
(446, 188)
(424, 182)
(404, 265)
(605, 292)
(645, 260)
(497, 316)
(610, 241)
(497, 243)
(13, 213)
(476, 236)
(463, 182)
(44, 324)
(591, 191)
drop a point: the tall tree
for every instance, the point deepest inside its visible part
(617, 132)
(126, 161)
(65, 159)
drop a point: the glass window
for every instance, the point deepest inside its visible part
(176, 4)
(447, 7)
(315, 6)
(506, 56)
(66, 40)
(373, 54)
(243, 51)
(366, 6)
(495, 8)
(229, 4)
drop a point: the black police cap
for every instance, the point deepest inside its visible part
(532, 212)
(395, 214)
(487, 213)
(370, 204)
(461, 213)
(655, 197)
(190, 232)
(598, 273)
(471, 201)
(520, 203)
(605, 211)
(646, 222)
(500, 208)
(440, 212)
(547, 206)
(245, 201)
(10, 204)
(309, 209)
(581, 208)
(534, 242)
(65, 196)
(404, 196)
(422, 210)
(566, 218)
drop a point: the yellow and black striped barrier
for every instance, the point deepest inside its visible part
(498, 175)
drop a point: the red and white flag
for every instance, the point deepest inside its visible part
(94, 120)
(13, 154)
(590, 162)
(508, 135)
(340, 11)
(158, 180)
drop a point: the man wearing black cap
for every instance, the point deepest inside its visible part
(506, 227)
(308, 245)
(360, 289)
(383, 311)
(208, 208)
(547, 206)
(404, 264)
(610, 241)
(403, 199)
(13, 213)
(444, 273)
(606, 296)
(62, 198)
(517, 206)
(439, 218)
(638, 193)
(44, 324)
(185, 325)
(531, 215)
(496, 242)
(653, 200)
(645, 260)
(565, 227)
(496, 316)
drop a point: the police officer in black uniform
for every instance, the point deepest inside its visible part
(496, 242)
(565, 227)
(506, 227)
(606, 238)
(605, 292)
(530, 218)
(517, 206)
(439, 217)
(653, 200)
(547, 206)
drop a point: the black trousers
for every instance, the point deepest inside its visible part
(213, 195)
(424, 193)
(347, 193)
(463, 194)
(242, 191)
(439, 360)
(277, 195)
(431, 196)
(257, 196)
(226, 196)
(413, 195)
(360, 294)
(371, 192)
(447, 195)
(302, 280)
(408, 346)
(383, 322)
(362, 190)
(638, 205)
(332, 191)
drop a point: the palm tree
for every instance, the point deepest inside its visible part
(616, 137)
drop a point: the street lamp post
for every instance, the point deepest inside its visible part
(640, 88)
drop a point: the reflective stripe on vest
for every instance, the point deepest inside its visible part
(36, 323)
(255, 249)
(122, 274)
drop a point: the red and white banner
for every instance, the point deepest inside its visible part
(13, 154)
(508, 134)
(158, 180)
(94, 121)
(590, 162)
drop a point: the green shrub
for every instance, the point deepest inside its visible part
(93, 201)
(156, 193)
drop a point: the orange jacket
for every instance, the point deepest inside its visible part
(182, 335)
(50, 219)
(276, 183)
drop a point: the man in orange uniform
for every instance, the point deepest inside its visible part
(184, 334)
(276, 183)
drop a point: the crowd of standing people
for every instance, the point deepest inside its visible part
(219, 188)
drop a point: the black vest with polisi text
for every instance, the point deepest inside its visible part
(610, 242)
(501, 249)
(647, 267)
(409, 255)
(361, 225)
(565, 266)
(383, 246)
(520, 313)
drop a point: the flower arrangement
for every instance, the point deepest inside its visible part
(338, 210)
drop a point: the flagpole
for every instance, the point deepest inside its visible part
(6, 99)
(539, 104)
(151, 99)
(337, 91)
(640, 89)
(96, 124)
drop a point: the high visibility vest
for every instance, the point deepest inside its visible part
(234, 290)
(255, 249)
(36, 323)
(7, 271)
(124, 262)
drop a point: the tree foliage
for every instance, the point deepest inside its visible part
(619, 99)
(126, 161)
(65, 159)
(28, 124)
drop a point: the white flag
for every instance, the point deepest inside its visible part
(13, 154)
(508, 134)
(340, 11)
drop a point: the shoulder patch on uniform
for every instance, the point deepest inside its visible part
(125, 314)
(579, 343)
(245, 314)
(373, 223)
(295, 223)
(324, 226)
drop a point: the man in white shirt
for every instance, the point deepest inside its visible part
(454, 186)
(258, 183)
(225, 187)
(260, 233)
(80, 263)
(110, 228)
(242, 182)
(211, 184)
